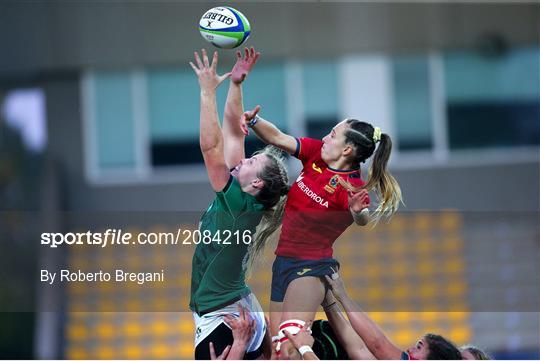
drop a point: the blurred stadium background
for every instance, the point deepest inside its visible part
(99, 126)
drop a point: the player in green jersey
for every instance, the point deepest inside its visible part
(247, 209)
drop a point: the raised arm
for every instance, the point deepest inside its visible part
(210, 136)
(233, 133)
(348, 338)
(372, 335)
(268, 132)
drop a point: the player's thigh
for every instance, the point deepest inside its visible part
(275, 317)
(302, 298)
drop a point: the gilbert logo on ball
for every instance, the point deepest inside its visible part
(224, 27)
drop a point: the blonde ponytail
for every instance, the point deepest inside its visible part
(272, 196)
(267, 233)
(382, 183)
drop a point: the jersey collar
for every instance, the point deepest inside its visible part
(343, 171)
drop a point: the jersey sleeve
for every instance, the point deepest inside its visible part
(307, 148)
(232, 197)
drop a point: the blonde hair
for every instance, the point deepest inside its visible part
(273, 197)
(477, 353)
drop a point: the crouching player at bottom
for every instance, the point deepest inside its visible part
(429, 347)
(337, 339)
(332, 339)
(358, 337)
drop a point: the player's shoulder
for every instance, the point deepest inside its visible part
(310, 141)
(355, 178)
(308, 147)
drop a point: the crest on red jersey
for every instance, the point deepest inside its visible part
(332, 184)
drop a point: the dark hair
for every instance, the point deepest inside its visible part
(364, 138)
(272, 196)
(441, 349)
(477, 353)
(360, 135)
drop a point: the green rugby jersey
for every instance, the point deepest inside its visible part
(218, 271)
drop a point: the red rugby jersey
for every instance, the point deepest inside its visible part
(317, 208)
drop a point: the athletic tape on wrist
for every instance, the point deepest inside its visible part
(305, 349)
(253, 121)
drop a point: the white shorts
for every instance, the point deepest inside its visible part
(204, 325)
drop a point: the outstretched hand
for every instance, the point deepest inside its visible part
(243, 65)
(335, 282)
(209, 80)
(247, 117)
(358, 201)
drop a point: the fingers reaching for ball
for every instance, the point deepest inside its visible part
(209, 80)
(244, 64)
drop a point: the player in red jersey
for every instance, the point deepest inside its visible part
(328, 196)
